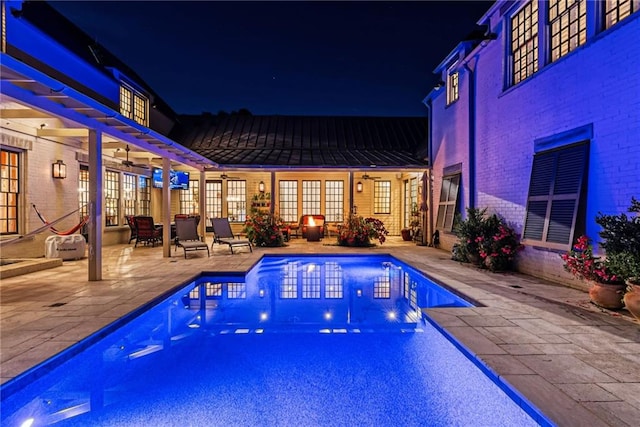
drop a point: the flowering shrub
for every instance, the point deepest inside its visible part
(487, 241)
(580, 262)
(498, 251)
(264, 229)
(358, 231)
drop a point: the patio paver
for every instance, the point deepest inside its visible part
(577, 363)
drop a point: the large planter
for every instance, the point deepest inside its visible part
(632, 299)
(406, 234)
(607, 295)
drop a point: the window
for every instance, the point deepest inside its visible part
(333, 281)
(190, 198)
(310, 197)
(144, 196)
(334, 201)
(129, 194)
(452, 87)
(555, 196)
(236, 200)
(111, 197)
(568, 26)
(382, 197)
(213, 199)
(448, 204)
(382, 286)
(289, 283)
(524, 42)
(289, 201)
(237, 290)
(311, 282)
(83, 191)
(133, 105)
(9, 191)
(617, 10)
(136, 195)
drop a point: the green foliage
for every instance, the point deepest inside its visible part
(264, 229)
(621, 241)
(486, 240)
(358, 231)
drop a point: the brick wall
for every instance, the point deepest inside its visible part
(596, 85)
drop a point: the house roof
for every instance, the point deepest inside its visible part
(245, 140)
(48, 20)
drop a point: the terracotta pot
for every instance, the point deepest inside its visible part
(607, 295)
(632, 299)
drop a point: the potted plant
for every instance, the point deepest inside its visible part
(621, 241)
(605, 289)
(358, 231)
(264, 229)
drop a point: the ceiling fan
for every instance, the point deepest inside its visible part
(225, 176)
(129, 163)
(366, 176)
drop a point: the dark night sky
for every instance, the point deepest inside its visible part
(290, 58)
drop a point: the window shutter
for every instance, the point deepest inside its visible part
(554, 195)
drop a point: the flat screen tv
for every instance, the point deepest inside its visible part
(178, 180)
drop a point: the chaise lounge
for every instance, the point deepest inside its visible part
(187, 235)
(222, 234)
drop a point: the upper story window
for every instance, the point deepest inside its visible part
(617, 10)
(524, 42)
(567, 26)
(453, 92)
(133, 105)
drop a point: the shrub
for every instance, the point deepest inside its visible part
(486, 240)
(358, 231)
(621, 241)
(581, 262)
(264, 229)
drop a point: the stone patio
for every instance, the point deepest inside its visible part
(580, 365)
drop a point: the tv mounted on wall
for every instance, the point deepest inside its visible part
(178, 180)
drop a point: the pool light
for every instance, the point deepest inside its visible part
(264, 316)
(328, 315)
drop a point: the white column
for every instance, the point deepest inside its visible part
(202, 206)
(96, 195)
(166, 208)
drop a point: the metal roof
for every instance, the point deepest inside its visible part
(244, 140)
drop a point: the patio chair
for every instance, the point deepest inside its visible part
(132, 225)
(146, 231)
(187, 236)
(222, 234)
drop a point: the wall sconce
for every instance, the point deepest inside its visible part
(359, 187)
(261, 187)
(59, 170)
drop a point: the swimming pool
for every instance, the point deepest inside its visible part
(298, 340)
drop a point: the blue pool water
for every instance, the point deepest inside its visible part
(298, 341)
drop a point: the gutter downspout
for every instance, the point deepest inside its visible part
(472, 135)
(429, 236)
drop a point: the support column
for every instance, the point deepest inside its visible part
(202, 206)
(96, 223)
(166, 207)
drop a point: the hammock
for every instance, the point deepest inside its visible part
(72, 230)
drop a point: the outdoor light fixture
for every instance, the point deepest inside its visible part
(59, 170)
(261, 187)
(359, 187)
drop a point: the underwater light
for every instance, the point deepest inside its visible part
(392, 315)
(261, 293)
(327, 315)
(264, 316)
(27, 423)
